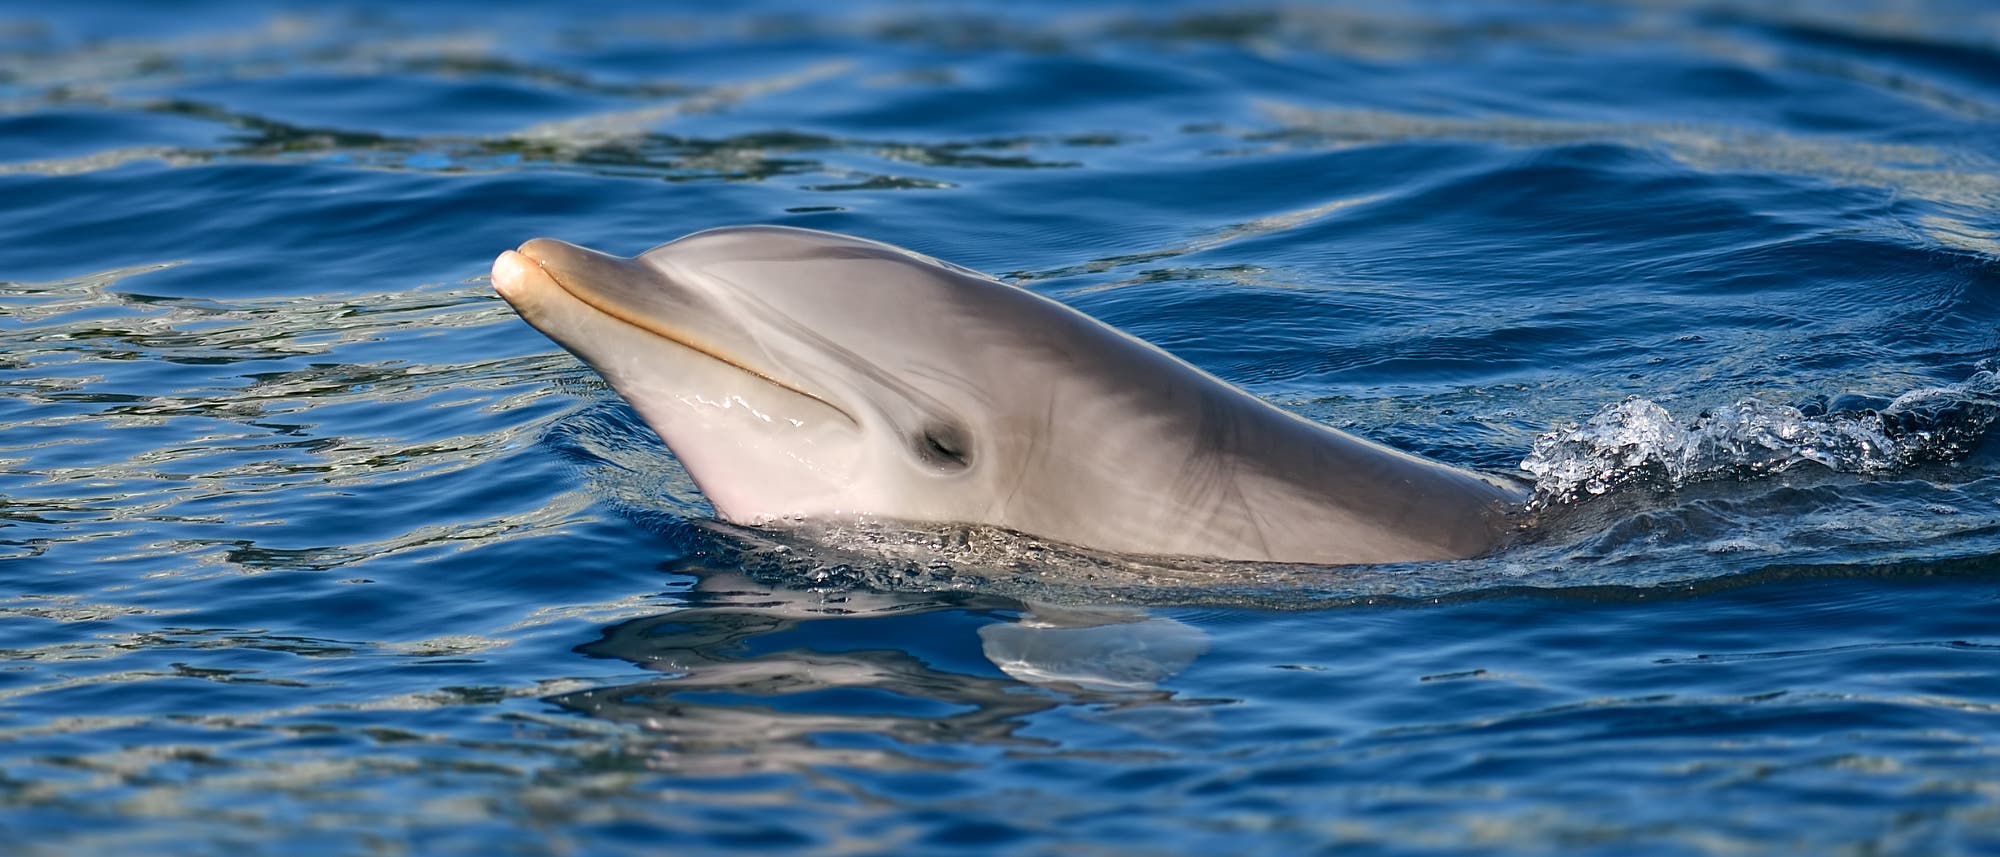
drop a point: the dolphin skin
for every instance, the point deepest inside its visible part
(802, 375)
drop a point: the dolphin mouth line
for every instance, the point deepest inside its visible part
(584, 296)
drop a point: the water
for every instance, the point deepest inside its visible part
(308, 546)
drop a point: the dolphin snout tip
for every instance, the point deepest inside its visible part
(513, 271)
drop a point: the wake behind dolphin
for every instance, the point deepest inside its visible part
(803, 375)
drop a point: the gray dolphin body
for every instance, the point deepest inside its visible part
(799, 375)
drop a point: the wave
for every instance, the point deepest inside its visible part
(1638, 442)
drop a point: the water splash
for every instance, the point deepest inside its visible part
(1637, 442)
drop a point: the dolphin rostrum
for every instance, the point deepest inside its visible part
(803, 375)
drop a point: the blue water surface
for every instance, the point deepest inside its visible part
(309, 546)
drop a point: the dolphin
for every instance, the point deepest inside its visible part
(802, 375)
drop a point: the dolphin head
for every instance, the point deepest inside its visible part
(798, 373)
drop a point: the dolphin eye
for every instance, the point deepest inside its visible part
(944, 448)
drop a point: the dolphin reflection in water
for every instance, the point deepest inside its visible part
(738, 661)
